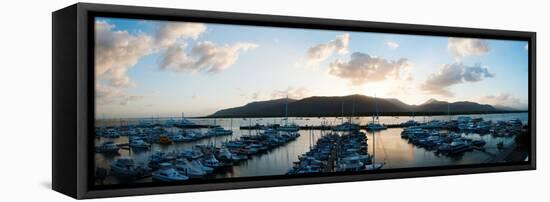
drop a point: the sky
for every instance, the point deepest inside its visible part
(148, 68)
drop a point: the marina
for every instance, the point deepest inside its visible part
(176, 149)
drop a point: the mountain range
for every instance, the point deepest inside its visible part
(354, 105)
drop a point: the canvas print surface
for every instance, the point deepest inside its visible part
(189, 101)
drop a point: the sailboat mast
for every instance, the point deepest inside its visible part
(342, 116)
(286, 111)
(376, 104)
(373, 148)
(352, 111)
(449, 110)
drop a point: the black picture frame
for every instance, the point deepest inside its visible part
(73, 97)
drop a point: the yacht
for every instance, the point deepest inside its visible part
(375, 127)
(168, 174)
(139, 144)
(289, 128)
(455, 147)
(350, 164)
(125, 167)
(219, 131)
(344, 127)
(211, 161)
(225, 154)
(107, 147)
(374, 166)
(206, 169)
(185, 167)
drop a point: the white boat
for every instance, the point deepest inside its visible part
(139, 144)
(289, 128)
(107, 147)
(211, 161)
(349, 164)
(225, 154)
(374, 166)
(168, 174)
(347, 126)
(198, 164)
(218, 131)
(375, 127)
(126, 168)
(186, 168)
(375, 124)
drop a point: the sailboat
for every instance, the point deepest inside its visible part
(346, 126)
(375, 124)
(288, 127)
(374, 165)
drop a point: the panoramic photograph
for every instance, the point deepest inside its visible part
(189, 102)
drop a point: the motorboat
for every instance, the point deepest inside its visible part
(107, 147)
(375, 127)
(186, 168)
(211, 161)
(125, 167)
(344, 127)
(289, 128)
(139, 144)
(218, 131)
(168, 174)
(198, 164)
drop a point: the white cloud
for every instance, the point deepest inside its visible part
(392, 44)
(451, 74)
(290, 92)
(321, 52)
(204, 56)
(170, 32)
(461, 47)
(106, 94)
(116, 52)
(363, 68)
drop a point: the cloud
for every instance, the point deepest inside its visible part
(363, 68)
(503, 99)
(106, 94)
(290, 92)
(170, 32)
(461, 47)
(204, 57)
(451, 74)
(392, 44)
(321, 52)
(116, 52)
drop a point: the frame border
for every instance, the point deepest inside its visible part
(86, 97)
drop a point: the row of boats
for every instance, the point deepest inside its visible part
(199, 161)
(142, 138)
(337, 152)
(449, 143)
(472, 125)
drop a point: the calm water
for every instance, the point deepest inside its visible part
(390, 148)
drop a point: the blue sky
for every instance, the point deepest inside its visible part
(155, 68)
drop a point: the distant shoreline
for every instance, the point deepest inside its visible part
(382, 114)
